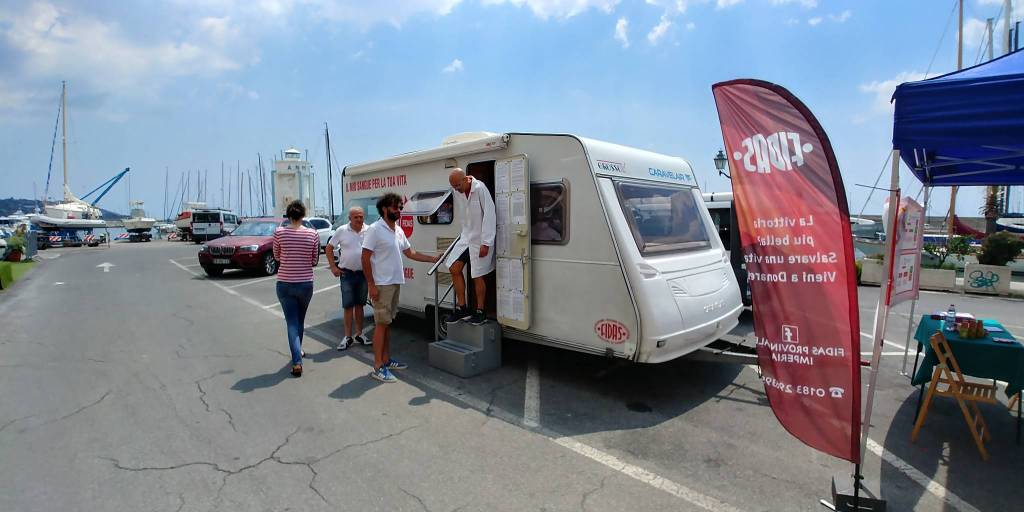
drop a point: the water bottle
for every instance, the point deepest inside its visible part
(951, 318)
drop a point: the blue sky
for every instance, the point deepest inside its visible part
(183, 85)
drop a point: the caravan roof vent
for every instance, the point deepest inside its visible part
(465, 137)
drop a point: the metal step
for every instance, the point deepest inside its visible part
(469, 350)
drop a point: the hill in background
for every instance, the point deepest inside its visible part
(10, 205)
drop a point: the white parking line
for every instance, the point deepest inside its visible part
(531, 401)
(887, 342)
(254, 281)
(226, 289)
(277, 304)
(930, 485)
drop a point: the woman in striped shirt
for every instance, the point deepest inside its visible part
(297, 250)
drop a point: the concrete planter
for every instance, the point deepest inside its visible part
(987, 279)
(870, 271)
(931, 279)
(938, 279)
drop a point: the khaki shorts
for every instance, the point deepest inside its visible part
(385, 308)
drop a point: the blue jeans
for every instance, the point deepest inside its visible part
(294, 298)
(353, 288)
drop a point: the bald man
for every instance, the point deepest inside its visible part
(476, 246)
(346, 245)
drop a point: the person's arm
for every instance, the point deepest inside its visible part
(329, 253)
(277, 244)
(316, 247)
(489, 223)
(418, 256)
(368, 272)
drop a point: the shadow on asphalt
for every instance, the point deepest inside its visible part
(579, 393)
(263, 381)
(945, 443)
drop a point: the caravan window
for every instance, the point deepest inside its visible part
(369, 206)
(434, 207)
(549, 217)
(664, 218)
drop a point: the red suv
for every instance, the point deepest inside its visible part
(249, 246)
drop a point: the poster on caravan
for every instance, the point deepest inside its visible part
(795, 233)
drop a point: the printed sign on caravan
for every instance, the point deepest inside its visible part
(795, 232)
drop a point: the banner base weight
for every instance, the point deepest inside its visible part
(843, 499)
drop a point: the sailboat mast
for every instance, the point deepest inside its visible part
(951, 228)
(167, 171)
(330, 175)
(64, 131)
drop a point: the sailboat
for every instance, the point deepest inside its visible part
(72, 212)
(137, 222)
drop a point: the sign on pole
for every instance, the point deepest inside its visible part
(906, 267)
(795, 231)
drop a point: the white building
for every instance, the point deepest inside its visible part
(291, 179)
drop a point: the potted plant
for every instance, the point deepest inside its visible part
(16, 247)
(991, 275)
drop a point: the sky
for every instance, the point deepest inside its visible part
(177, 86)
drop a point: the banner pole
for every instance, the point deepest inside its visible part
(882, 309)
(913, 305)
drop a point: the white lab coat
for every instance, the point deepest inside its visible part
(478, 228)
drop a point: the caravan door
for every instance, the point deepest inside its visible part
(512, 241)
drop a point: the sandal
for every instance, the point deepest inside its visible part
(297, 370)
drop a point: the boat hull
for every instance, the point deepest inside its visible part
(46, 222)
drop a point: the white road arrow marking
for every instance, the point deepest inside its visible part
(106, 266)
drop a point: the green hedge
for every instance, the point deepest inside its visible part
(10, 272)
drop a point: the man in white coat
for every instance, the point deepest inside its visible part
(476, 246)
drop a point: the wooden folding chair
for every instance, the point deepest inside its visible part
(967, 394)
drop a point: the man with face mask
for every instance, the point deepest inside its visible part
(476, 245)
(383, 247)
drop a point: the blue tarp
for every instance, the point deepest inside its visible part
(964, 128)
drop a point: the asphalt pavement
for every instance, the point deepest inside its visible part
(151, 387)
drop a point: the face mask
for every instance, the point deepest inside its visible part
(393, 216)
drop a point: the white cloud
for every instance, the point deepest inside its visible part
(621, 35)
(722, 4)
(57, 42)
(807, 4)
(691, 25)
(561, 9)
(841, 17)
(883, 89)
(814, 21)
(792, 21)
(677, 6)
(659, 30)
(456, 65)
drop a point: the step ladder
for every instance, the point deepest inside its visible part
(465, 350)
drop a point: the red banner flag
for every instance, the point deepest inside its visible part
(794, 226)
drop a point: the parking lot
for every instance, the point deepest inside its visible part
(594, 433)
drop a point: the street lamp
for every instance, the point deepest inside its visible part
(720, 161)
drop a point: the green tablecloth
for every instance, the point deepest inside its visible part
(981, 357)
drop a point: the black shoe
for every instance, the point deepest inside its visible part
(478, 318)
(460, 313)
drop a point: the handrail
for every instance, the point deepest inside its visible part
(437, 301)
(444, 256)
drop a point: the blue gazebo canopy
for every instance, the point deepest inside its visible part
(966, 127)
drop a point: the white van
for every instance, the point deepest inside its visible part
(210, 223)
(601, 248)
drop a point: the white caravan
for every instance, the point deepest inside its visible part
(601, 248)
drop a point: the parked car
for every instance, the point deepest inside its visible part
(323, 229)
(211, 223)
(249, 246)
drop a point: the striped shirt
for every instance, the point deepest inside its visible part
(297, 251)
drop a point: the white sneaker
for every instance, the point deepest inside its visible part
(345, 343)
(365, 341)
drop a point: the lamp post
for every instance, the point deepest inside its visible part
(720, 161)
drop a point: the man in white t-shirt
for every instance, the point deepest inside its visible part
(346, 245)
(383, 246)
